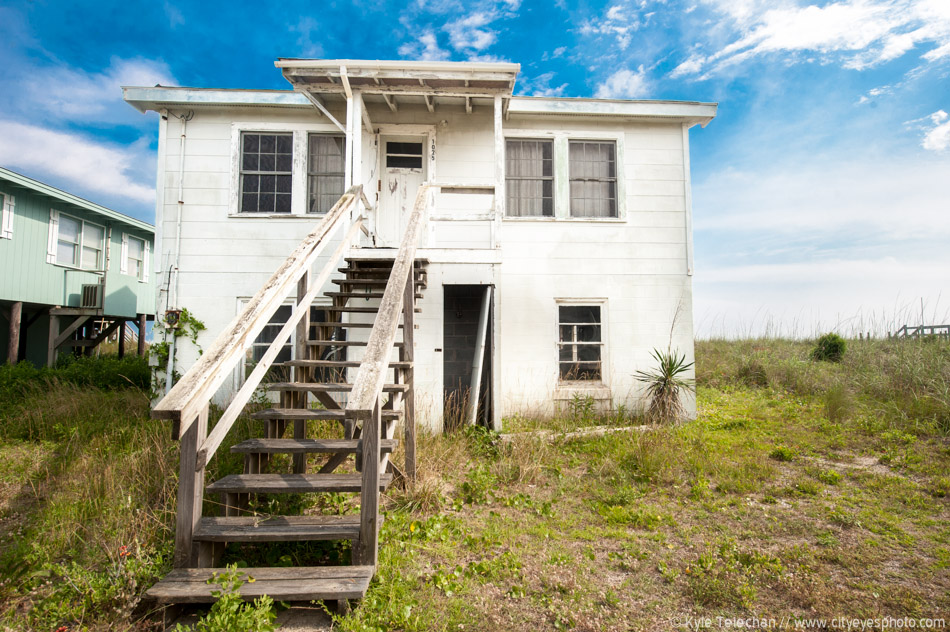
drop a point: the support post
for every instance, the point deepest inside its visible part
(301, 374)
(121, 338)
(53, 333)
(368, 549)
(357, 131)
(16, 315)
(141, 349)
(478, 360)
(190, 492)
(406, 355)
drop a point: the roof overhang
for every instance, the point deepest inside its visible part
(394, 78)
(158, 98)
(689, 112)
(22, 181)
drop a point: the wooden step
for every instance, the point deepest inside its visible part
(343, 343)
(345, 325)
(277, 528)
(366, 295)
(312, 413)
(302, 583)
(338, 364)
(341, 387)
(369, 282)
(357, 310)
(292, 483)
(306, 446)
(379, 271)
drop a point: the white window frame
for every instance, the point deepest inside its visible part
(52, 254)
(562, 178)
(309, 175)
(617, 177)
(299, 190)
(146, 257)
(554, 178)
(7, 206)
(604, 346)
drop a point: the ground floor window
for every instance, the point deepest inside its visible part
(580, 342)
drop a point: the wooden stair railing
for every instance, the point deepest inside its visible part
(187, 403)
(364, 407)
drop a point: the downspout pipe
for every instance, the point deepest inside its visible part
(173, 302)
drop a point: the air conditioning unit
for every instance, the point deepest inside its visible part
(91, 296)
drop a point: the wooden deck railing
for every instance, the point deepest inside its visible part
(911, 331)
(188, 401)
(364, 406)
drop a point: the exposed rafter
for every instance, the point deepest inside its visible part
(430, 102)
(391, 102)
(468, 105)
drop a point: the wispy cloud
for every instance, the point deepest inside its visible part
(619, 21)
(95, 166)
(541, 85)
(937, 137)
(856, 34)
(469, 33)
(624, 84)
(306, 28)
(425, 48)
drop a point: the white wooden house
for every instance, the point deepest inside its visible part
(572, 216)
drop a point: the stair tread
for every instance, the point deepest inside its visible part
(366, 295)
(357, 310)
(301, 583)
(340, 387)
(312, 413)
(359, 325)
(305, 446)
(369, 282)
(277, 528)
(343, 343)
(293, 483)
(351, 364)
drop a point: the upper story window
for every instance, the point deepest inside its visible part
(79, 243)
(266, 172)
(529, 178)
(325, 168)
(580, 343)
(135, 256)
(6, 216)
(593, 173)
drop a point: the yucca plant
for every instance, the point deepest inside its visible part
(665, 384)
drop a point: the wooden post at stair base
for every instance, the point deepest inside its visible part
(367, 550)
(16, 315)
(53, 334)
(406, 353)
(141, 349)
(190, 492)
(301, 374)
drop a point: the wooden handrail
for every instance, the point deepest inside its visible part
(373, 369)
(364, 404)
(195, 389)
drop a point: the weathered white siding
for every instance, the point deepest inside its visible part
(636, 264)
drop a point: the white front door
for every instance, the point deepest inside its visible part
(403, 171)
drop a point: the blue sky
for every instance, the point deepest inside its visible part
(821, 192)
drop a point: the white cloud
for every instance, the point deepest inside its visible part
(938, 137)
(856, 33)
(76, 95)
(468, 33)
(307, 27)
(426, 48)
(86, 164)
(619, 21)
(624, 84)
(540, 86)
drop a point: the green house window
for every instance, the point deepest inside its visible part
(79, 243)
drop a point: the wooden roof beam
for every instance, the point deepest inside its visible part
(318, 103)
(430, 102)
(391, 102)
(468, 105)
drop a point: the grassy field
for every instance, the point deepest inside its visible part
(803, 489)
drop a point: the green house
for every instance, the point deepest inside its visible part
(75, 274)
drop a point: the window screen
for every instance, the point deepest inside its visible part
(324, 171)
(593, 167)
(529, 178)
(266, 172)
(579, 342)
(404, 155)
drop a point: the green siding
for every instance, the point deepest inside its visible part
(28, 277)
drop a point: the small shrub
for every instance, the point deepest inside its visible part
(753, 373)
(829, 477)
(829, 348)
(665, 385)
(782, 453)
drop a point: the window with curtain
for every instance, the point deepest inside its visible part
(529, 178)
(325, 166)
(593, 173)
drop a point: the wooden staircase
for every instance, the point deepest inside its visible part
(345, 365)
